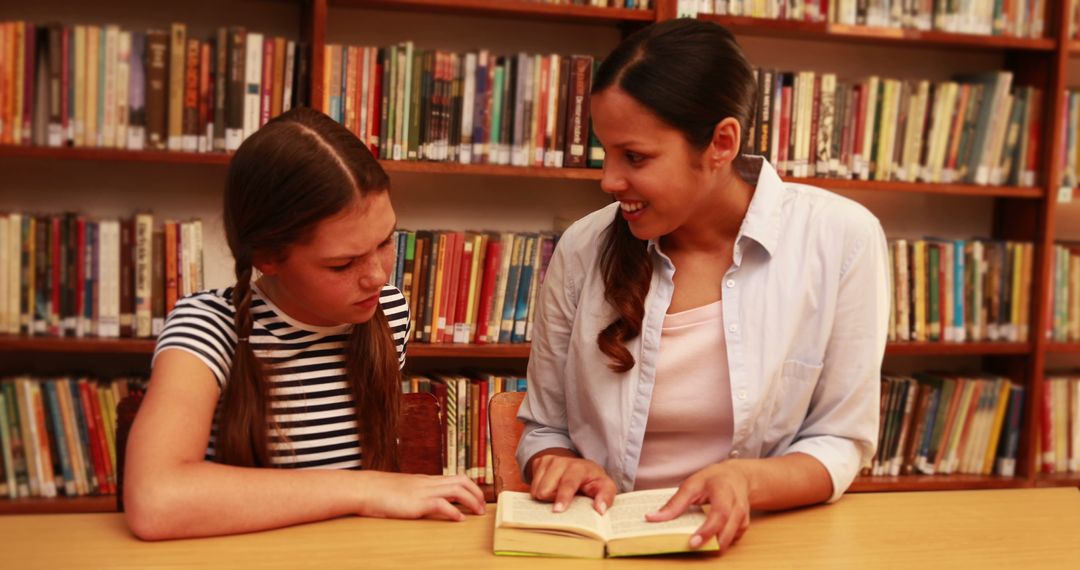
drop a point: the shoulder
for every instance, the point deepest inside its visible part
(393, 303)
(834, 220)
(214, 304)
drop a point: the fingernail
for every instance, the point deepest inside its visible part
(602, 507)
(695, 541)
(559, 507)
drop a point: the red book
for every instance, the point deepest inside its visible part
(171, 278)
(93, 446)
(448, 308)
(487, 289)
(81, 255)
(206, 97)
(28, 84)
(785, 130)
(109, 482)
(56, 266)
(541, 108)
(374, 102)
(267, 81)
(461, 314)
(860, 128)
(127, 277)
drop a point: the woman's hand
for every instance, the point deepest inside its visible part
(408, 496)
(558, 478)
(726, 488)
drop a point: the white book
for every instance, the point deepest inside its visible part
(123, 84)
(185, 284)
(286, 92)
(468, 103)
(109, 275)
(252, 82)
(552, 115)
(5, 264)
(144, 274)
(31, 452)
(14, 245)
(108, 128)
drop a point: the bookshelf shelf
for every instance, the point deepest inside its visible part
(1063, 347)
(114, 155)
(956, 348)
(822, 31)
(1074, 48)
(65, 505)
(395, 166)
(46, 345)
(511, 8)
(1071, 479)
(1031, 192)
(935, 483)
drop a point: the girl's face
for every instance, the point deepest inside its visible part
(336, 276)
(649, 167)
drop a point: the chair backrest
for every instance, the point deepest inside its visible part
(505, 433)
(419, 437)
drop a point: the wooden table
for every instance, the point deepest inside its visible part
(1022, 528)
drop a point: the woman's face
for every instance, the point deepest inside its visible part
(335, 277)
(649, 166)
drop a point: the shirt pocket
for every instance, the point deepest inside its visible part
(791, 395)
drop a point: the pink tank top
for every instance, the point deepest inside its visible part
(690, 421)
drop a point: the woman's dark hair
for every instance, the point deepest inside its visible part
(299, 169)
(692, 75)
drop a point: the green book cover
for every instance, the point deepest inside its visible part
(934, 279)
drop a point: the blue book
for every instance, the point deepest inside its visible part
(513, 279)
(399, 266)
(958, 290)
(521, 312)
(52, 405)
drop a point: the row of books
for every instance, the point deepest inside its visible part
(960, 290)
(942, 424)
(471, 287)
(65, 275)
(1064, 289)
(102, 86)
(1070, 151)
(977, 129)
(628, 4)
(471, 108)
(1021, 18)
(1059, 438)
(57, 435)
(463, 401)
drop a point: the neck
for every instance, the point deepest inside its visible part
(716, 223)
(287, 303)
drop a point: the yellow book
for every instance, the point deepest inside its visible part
(78, 124)
(90, 124)
(476, 276)
(919, 248)
(1017, 260)
(995, 427)
(527, 527)
(17, 119)
(440, 264)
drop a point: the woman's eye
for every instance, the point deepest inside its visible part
(634, 158)
(340, 268)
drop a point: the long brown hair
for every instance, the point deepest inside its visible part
(692, 75)
(298, 169)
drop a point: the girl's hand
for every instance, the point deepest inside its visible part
(409, 496)
(727, 490)
(558, 478)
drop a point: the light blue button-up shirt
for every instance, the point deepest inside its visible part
(805, 312)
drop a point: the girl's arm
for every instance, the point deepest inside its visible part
(170, 491)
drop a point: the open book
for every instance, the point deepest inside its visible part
(527, 527)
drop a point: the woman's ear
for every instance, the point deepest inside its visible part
(725, 144)
(266, 266)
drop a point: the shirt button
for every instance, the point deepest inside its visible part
(742, 394)
(733, 328)
(730, 283)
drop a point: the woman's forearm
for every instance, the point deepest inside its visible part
(785, 482)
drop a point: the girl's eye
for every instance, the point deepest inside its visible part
(340, 268)
(634, 158)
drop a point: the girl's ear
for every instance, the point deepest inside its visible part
(266, 266)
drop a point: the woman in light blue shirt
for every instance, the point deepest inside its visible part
(798, 277)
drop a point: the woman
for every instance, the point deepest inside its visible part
(714, 329)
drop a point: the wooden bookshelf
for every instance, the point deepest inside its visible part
(423, 167)
(1063, 347)
(97, 504)
(114, 155)
(935, 483)
(1074, 48)
(823, 31)
(508, 9)
(1071, 479)
(970, 190)
(957, 348)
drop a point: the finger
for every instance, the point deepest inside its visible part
(714, 521)
(675, 506)
(727, 534)
(544, 486)
(442, 509)
(568, 487)
(475, 491)
(460, 493)
(603, 491)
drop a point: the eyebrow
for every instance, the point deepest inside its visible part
(393, 230)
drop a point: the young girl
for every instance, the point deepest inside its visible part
(714, 329)
(297, 369)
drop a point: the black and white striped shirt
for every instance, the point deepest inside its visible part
(310, 400)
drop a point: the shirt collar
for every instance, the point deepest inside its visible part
(762, 222)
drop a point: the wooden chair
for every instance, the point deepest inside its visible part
(419, 440)
(505, 434)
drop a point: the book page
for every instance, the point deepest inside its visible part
(522, 511)
(627, 515)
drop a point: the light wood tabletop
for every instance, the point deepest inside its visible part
(1021, 528)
